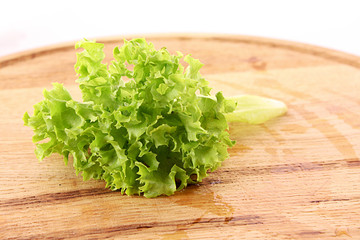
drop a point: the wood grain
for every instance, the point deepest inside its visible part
(295, 177)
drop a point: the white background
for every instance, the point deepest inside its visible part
(30, 24)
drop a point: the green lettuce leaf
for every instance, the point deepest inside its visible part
(153, 134)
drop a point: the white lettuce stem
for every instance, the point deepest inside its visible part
(255, 109)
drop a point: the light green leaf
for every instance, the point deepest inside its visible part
(255, 109)
(146, 135)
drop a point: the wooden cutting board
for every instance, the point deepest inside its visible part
(295, 177)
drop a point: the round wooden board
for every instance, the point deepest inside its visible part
(294, 177)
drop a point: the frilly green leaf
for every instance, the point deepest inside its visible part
(146, 135)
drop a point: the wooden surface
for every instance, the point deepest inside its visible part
(296, 177)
